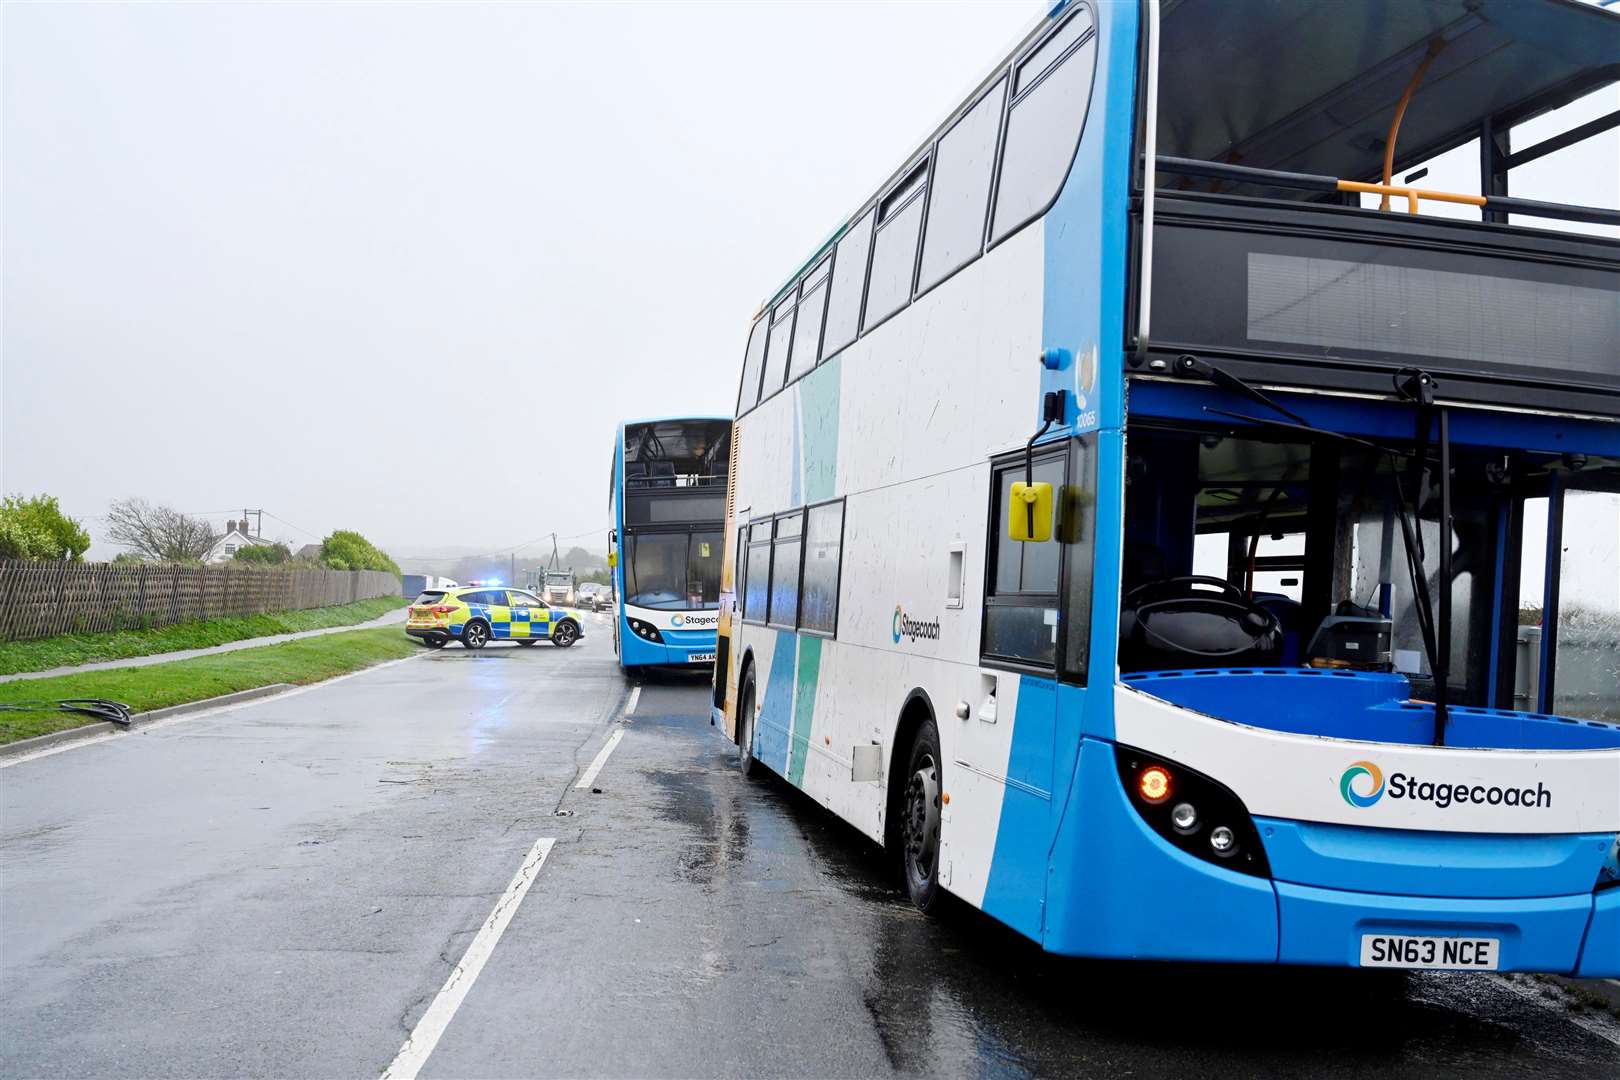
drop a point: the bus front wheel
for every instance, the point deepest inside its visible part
(919, 821)
(747, 763)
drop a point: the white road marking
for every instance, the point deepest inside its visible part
(170, 721)
(600, 760)
(635, 696)
(430, 1028)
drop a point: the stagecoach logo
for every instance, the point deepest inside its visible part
(1362, 793)
(905, 626)
(694, 620)
(1373, 788)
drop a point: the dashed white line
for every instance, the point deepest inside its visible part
(635, 696)
(589, 775)
(430, 1028)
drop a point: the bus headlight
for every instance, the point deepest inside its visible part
(1205, 819)
(646, 631)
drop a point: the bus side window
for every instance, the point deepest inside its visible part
(1048, 113)
(757, 574)
(748, 392)
(776, 355)
(848, 285)
(1021, 587)
(894, 252)
(963, 165)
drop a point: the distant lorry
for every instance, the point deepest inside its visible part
(414, 585)
(561, 587)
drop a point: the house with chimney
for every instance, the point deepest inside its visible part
(236, 537)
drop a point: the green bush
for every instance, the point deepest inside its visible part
(348, 550)
(263, 554)
(36, 528)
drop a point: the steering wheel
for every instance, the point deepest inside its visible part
(1165, 623)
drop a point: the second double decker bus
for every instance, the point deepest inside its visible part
(667, 495)
(1165, 532)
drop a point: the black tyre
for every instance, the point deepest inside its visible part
(919, 818)
(435, 642)
(747, 763)
(475, 635)
(526, 642)
(565, 634)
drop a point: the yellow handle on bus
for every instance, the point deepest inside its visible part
(1029, 512)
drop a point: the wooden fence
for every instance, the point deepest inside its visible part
(41, 599)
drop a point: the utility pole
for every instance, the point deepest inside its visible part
(258, 522)
(512, 580)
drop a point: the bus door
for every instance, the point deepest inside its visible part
(1013, 722)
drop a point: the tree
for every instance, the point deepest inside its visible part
(36, 528)
(158, 532)
(346, 549)
(263, 554)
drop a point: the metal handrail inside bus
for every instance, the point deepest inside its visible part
(1245, 174)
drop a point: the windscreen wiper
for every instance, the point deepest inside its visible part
(1436, 639)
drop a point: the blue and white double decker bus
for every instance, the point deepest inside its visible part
(1169, 526)
(667, 495)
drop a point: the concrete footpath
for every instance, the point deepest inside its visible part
(394, 617)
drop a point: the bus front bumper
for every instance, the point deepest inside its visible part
(689, 648)
(1128, 893)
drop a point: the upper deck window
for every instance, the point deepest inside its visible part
(1043, 128)
(748, 392)
(894, 254)
(848, 284)
(963, 165)
(776, 354)
(807, 328)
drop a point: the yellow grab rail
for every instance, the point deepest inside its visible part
(1410, 194)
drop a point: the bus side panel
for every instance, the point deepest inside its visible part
(1125, 892)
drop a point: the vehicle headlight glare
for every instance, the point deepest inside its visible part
(1223, 840)
(1184, 818)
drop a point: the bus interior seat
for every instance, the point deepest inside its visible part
(661, 473)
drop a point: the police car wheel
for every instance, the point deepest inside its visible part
(476, 634)
(526, 642)
(435, 642)
(565, 634)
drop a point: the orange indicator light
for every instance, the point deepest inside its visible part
(1154, 784)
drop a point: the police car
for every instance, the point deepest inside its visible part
(475, 615)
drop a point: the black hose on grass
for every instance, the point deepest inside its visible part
(114, 712)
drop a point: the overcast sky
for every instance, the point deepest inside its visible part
(401, 268)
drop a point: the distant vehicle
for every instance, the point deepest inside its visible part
(595, 595)
(416, 584)
(477, 615)
(668, 498)
(561, 586)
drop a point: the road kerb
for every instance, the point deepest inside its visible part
(103, 727)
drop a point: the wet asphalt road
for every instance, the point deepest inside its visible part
(280, 889)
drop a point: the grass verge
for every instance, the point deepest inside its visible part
(68, 650)
(159, 685)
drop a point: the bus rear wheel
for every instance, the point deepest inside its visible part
(747, 763)
(919, 819)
